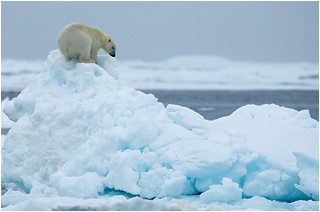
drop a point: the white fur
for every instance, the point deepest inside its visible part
(83, 42)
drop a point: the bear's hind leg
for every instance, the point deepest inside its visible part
(84, 50)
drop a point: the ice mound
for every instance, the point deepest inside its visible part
(81, 133)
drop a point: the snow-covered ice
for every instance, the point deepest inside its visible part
(84, 139)
(216, 73)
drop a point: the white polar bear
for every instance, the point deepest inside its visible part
(83, 42)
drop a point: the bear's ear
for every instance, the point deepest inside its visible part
(109, 40)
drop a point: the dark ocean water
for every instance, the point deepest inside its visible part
(216, 104)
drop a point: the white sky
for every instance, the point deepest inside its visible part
(250, 31)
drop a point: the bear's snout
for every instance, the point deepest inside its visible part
(112, 54)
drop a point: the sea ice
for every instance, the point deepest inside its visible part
(192, 72)
(82, 134)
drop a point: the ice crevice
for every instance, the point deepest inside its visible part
(80, 132)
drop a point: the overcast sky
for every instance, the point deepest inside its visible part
(247, 31)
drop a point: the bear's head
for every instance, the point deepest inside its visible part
(109, 46)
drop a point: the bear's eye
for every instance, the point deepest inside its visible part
(112, 47)
(109, 40)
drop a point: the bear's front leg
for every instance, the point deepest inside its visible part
(85, 58)
(68, 58)
(94, 56)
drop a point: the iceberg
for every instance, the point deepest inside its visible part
(82, 137)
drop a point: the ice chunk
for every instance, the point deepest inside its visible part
(273, 184)
(124, 179)
(308, 174)
(85, 186)
(163, 182)
(227, 192)
(5, 121)
(185, 117)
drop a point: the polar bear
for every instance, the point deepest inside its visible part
(83, 42)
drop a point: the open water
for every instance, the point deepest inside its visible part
(216, 104)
